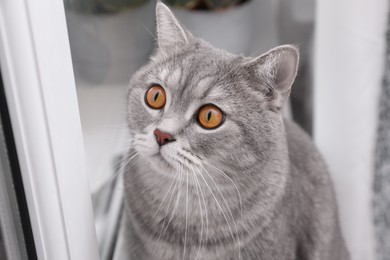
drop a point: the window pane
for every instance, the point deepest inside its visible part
(111, 39)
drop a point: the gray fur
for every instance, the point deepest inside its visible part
(254, 188)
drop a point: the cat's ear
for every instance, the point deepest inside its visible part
(170, 33)
(277, 69)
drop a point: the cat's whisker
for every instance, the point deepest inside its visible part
(176, 204)
(222, 173)
(204, 201)
(185, 234)
(124, 162)
(226, 176)
(219, 205)
(147, 29)
(117, 169)
(162, 229)
(227, 206)
(200, 208)
(234, 184)
(205, 205)
(166, 194)
(155, 38)
(132, 158)
(175, 53)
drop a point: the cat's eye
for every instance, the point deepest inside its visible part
(210, 116)
(155, 97)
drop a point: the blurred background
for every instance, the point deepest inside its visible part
(341, 96)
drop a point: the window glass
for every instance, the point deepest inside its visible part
(16, 241)
(111, 39)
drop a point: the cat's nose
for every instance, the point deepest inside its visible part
(162, 138)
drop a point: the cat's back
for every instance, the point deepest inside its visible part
(311, 185)
(313, 199)
(310, 179)
(304, 156)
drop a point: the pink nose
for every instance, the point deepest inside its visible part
(162, 138)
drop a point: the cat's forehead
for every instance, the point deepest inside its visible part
(188, 81)
(196, 74)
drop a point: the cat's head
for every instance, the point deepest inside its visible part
(194, 106)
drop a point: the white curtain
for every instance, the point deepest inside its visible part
(349, 58)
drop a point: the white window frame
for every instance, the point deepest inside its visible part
(39, 83)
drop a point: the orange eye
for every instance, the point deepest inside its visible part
(210, 116)
(155, 97)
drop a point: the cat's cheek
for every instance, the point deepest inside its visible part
(153, 113)
(139, 112)
(226, 134)
(168, 155)
(144, 148)
(146, 143)
(138, 118)
(204, 131)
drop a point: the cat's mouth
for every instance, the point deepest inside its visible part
(159, 157)
(171, 157)
(175, 159)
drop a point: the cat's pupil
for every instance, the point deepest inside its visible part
(209, 114)
(156, 96)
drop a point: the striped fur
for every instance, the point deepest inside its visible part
(254, 188)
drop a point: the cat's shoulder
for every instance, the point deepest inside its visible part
(305, 159)
(297, 138)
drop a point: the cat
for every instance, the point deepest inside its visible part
(214, 172)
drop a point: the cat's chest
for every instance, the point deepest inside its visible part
(277, 242)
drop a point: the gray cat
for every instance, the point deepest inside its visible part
(214, 171)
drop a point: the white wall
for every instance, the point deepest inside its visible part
(350, 44)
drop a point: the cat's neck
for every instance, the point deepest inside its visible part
(166, 210)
